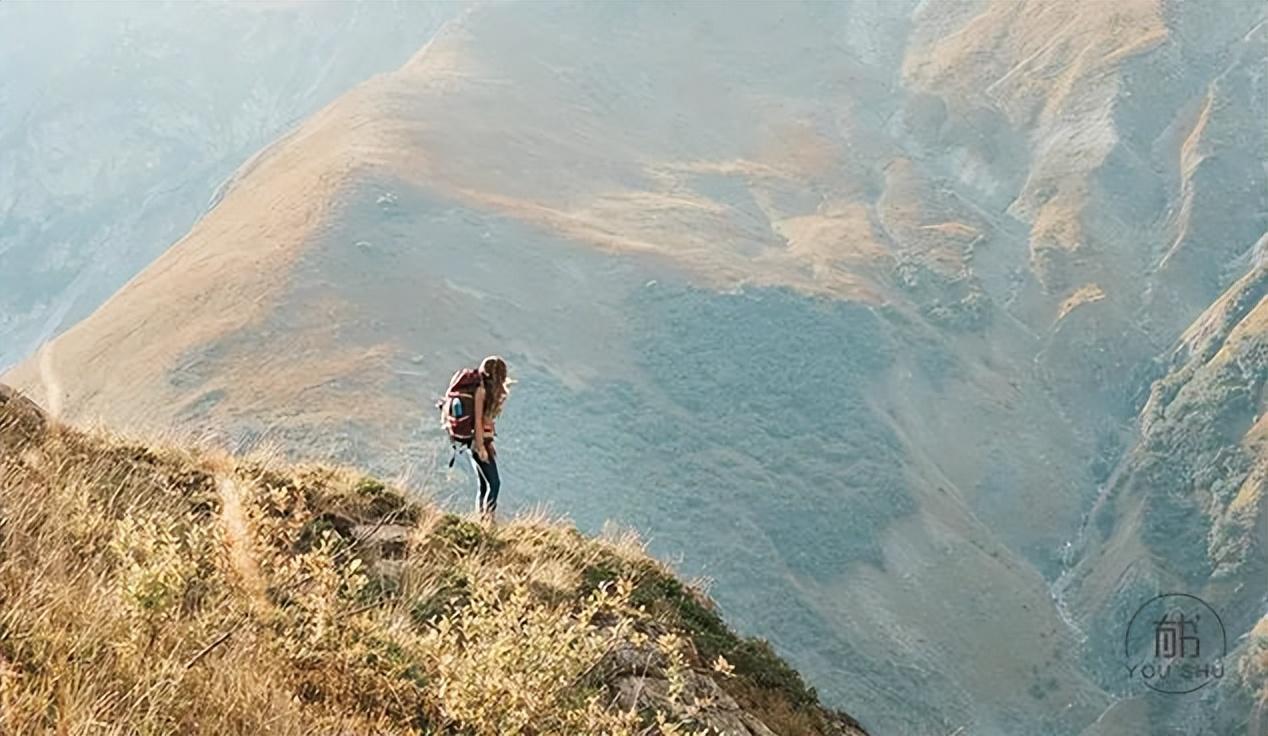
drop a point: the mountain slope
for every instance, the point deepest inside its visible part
(121, 121)
(175, 590)
(1186, 509)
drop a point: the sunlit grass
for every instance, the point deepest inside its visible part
(167, 589)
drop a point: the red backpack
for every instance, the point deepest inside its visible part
(457, 408)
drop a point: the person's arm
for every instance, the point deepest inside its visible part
(477, 445)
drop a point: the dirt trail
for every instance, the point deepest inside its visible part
(238, 538)
(52, 387)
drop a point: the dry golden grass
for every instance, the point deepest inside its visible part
(164, 590)
(1084, 295)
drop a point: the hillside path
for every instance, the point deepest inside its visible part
(238, 539)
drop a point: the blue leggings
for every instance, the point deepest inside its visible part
(489, 482)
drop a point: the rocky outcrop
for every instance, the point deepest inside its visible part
(640, 679)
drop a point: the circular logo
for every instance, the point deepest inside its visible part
(1175, 644)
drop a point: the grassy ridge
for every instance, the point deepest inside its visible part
(173, 590)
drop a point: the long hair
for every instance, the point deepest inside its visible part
(497, 385)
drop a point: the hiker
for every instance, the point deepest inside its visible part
(470, 407)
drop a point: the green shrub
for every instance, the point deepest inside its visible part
(460, 534)
(453, 592)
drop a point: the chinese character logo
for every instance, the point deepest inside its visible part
(1175, 644)
(1177, 638)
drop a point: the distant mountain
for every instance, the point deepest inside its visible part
(860, 310)
(120, 121)
(1186, 509)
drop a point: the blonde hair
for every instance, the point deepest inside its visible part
(497, 385)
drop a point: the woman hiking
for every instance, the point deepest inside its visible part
(470, 407)
(489, 399)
